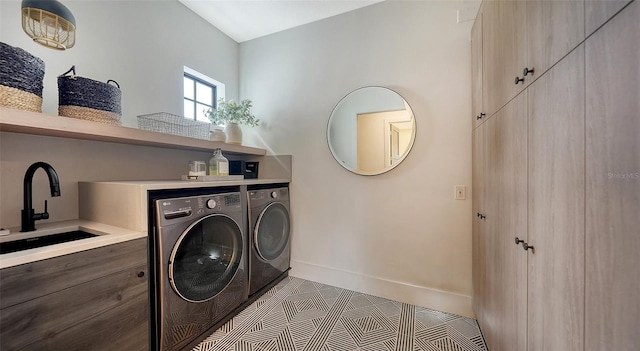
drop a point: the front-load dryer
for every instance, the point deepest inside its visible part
(200, 265)
(269, 236)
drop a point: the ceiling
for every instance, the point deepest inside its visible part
(244, 20)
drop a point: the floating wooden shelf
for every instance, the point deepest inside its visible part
(26, 122)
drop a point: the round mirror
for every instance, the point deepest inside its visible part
(371, 130)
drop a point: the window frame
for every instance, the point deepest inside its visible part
(218, 89)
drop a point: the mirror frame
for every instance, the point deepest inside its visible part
(388, 168)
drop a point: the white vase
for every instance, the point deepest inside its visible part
(234, 133)
(217, 134)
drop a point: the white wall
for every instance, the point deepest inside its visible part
(142, 45)
(400, 234)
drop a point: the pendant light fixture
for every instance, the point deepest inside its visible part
(49, 23)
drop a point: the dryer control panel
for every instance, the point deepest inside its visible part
(259, 197)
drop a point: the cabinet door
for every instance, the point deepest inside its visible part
(556, 207)
(613, 184)
(507, 218)
(489, 318)
(597, 12)
(492, 91)
(504, 51)
(512, 34)
(63, 272)
(476, 70)
(554, 28)
(109, 313)
(479, 246)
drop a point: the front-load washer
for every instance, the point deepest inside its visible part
(269, 236)
(200, 265)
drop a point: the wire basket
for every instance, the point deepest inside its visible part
(172, 124)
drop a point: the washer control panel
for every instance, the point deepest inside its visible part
(186, 207)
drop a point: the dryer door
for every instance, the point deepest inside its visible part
(271, 233)
(205, 258)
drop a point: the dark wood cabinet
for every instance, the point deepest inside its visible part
(92, 300)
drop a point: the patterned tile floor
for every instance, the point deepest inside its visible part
(301, 315)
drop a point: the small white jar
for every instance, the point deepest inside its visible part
(217, 134)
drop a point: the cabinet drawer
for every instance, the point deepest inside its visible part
(29, 281)
(109, 313)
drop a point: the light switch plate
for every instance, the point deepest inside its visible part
(461, 192)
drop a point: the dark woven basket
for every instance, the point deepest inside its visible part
(85, 92)
(21, 70)
(21, 76)
(79, 92)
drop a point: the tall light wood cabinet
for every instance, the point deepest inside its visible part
(556, 207)
(612, 313)
(557, 166)
(479, 244)
(507, 219)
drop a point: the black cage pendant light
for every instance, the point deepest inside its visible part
(49, 23)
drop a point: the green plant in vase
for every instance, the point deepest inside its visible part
(231, 112)
(231, 115)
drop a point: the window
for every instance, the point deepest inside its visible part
(200, 94)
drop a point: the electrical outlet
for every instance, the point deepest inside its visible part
(461, 192)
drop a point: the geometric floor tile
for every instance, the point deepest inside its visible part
(301, 315)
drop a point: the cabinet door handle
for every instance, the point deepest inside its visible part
(525, 246)
(527, 70)
(140, 274)
(518, 80)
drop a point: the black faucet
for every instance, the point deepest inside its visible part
(29, 217)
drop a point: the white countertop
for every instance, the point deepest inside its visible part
(107, 235)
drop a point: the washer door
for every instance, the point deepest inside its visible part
(271, 234)
(206, 258)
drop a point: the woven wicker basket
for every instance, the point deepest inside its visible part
(88, 99)
(21, 79)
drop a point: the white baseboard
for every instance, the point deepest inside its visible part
(412, 294)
